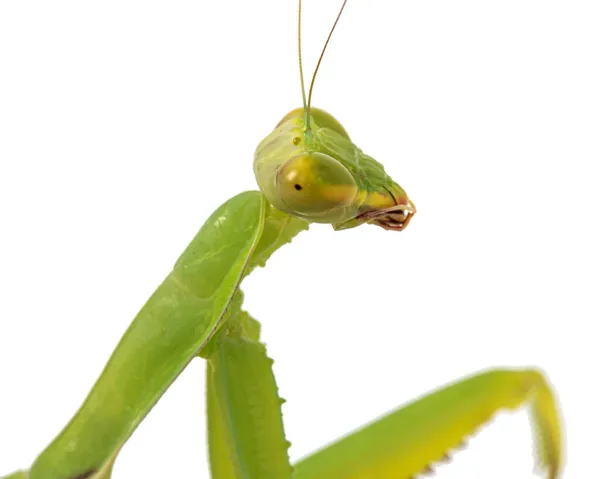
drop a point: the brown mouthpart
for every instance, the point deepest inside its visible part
(394, 218)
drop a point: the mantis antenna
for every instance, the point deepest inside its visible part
(300, 59)
(312, 82)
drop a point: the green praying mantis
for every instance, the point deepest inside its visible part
(308, 171)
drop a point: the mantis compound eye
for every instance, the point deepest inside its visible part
(313, 184)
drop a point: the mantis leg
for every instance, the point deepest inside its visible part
(245, 429)
(179, 319)
(410, 440)
(221, 465)
(177, 323)
(17, 475)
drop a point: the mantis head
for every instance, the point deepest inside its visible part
(309, 168)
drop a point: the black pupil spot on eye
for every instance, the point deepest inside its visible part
(298, 187)
(296, 140)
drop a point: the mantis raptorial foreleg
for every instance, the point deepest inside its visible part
(401, 445)
(245, 427)
(412, 439)
(246, 408)
(17, 475)
(246, 437)
(219, 454)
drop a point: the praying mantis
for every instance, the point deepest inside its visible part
(308, 171)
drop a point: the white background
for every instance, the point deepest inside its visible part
(124, 124)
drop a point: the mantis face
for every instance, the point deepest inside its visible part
(309, 168)
(319, 175)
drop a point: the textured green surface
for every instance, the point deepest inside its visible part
(221, 465)
(408, 441)
(245, 429)
(17, 475)
(248, 412)
(172, 327)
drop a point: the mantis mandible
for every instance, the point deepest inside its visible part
(308, 171)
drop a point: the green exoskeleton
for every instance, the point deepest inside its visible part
(308, 171)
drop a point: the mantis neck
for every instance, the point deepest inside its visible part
(279, 228)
